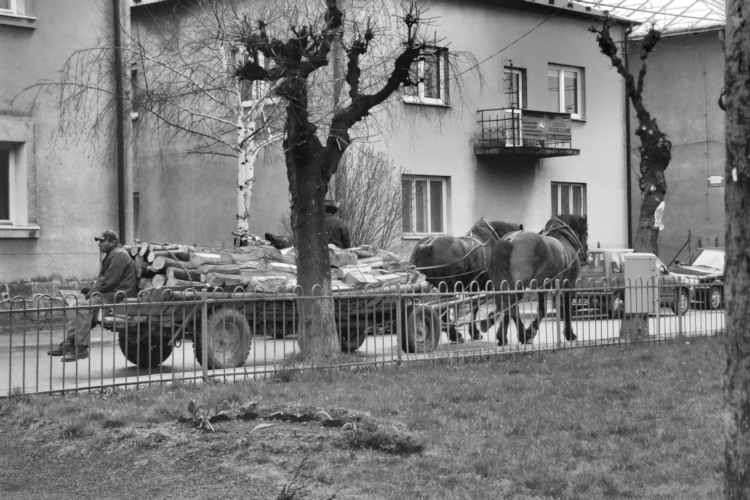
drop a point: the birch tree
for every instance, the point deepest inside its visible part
(183, 87)
(655, 149)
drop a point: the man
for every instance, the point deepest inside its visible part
(117, 280)
(336, 231)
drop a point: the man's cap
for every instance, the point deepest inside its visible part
(108, 235)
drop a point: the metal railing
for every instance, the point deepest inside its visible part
(243, 335)
(504, 127)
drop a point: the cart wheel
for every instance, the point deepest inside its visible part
(228, 339)
(147, 350)
(422, 330)
(352, 338)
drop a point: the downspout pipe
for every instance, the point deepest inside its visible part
(120, 118)
(628, 177)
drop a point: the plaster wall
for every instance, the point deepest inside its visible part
(71, 193)
(685, 77)
(193, 200)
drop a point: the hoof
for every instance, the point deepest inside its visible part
(570, 337)
(476, 335)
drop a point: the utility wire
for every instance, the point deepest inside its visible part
(507, 46)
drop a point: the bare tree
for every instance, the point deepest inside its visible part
(183, 87)
(368, 187)
(317, 137)
(655, 149)
(737, 268)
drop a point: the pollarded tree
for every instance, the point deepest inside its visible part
(315, 136)
(655, 149)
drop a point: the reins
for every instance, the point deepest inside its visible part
(473, 247)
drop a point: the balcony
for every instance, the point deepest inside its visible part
(523, 132)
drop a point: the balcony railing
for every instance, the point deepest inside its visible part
(525, 132)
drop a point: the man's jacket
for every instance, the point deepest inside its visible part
(117, 275)
(337, 232)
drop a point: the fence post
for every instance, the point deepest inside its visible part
(204, 332)
(657, 299)
(558, 313)
(399, 321)
(678, 293)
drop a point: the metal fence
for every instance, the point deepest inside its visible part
(168, 336)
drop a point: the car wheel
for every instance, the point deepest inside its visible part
(715, 298)
(617, 307)
(683, 302)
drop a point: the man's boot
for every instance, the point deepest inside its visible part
(64, 347)
(76, 353)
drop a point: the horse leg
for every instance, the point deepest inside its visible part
(567, 306)
(476, 332)
(453, 334)
(532, 330)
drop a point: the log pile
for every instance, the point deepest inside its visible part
(261, 267)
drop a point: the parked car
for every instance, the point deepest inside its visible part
(605, 272)
(703, 269)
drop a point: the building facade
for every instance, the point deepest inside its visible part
(536, 58)
(681, 90)
(55, 194)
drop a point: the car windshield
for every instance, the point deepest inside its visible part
(706, 258)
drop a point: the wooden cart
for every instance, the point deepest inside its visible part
(150, 326)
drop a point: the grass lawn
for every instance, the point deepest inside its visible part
(641, 421)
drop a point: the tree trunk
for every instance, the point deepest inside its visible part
(737, 272)
(245, 169)
(317, 334)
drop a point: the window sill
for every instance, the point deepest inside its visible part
(19, 232)
(421, 102)
(18, 21)
(412, 236)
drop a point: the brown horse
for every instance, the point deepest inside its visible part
(453, 263)
(555, 254)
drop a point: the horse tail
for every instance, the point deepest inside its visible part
(499, 271)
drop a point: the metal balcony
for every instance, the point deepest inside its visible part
(523, 132)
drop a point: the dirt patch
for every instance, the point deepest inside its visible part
(251, 452)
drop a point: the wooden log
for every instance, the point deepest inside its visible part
(179, 282)
(258, 252)
(341, 272)
(134, 248)
(126, 248)
(373, 262)
(339, 257)
(185, 274)
(145, 284)
(200, 258)
(224, 280)
(271, 283)
(154, 247)
(283, 267)
(178, 254)
(161, 263)
(220, 268)
(143, 250)
(159, 280)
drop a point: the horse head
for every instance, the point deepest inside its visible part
(579, 227)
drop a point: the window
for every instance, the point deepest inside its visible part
(9, 7)
(5, 183)
(514, 87)
(431, 72)
(423, 201)
(568, 198)
(565, 90)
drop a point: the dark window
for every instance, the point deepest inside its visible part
(4, 184)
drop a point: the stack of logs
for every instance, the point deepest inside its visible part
(261, 267)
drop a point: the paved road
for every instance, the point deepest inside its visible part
(25, 366)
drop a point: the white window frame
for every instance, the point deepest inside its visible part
(444, 204)
(419, 98)
(521, 74)
(584, 193)
(561, 86)
(12, 10)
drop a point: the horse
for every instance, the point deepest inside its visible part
(517, 260)
(464, 259)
